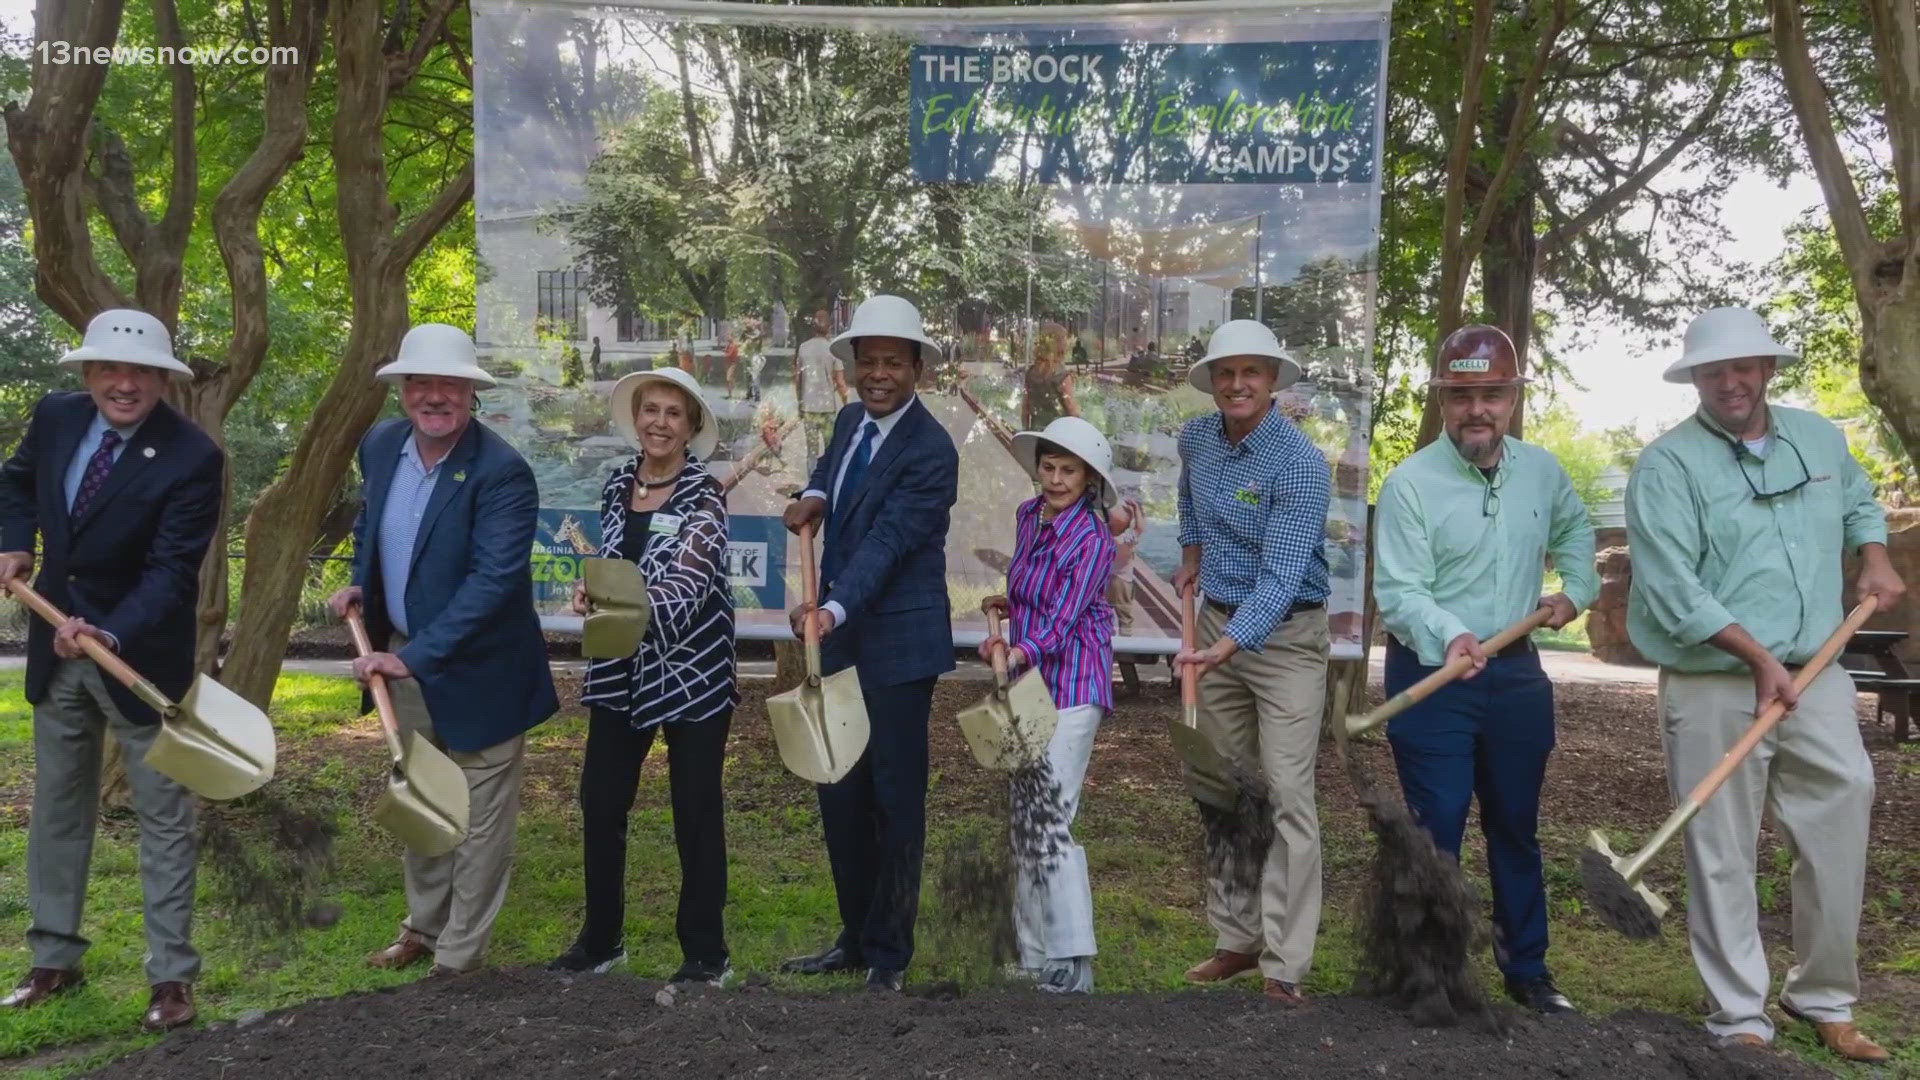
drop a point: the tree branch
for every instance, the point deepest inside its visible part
(421, 230)
(1809, 99)
(1612, 200)
(1896, 44)
(1453, 271)
(402, 67)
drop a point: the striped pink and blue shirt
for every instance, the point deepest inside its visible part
(1057, 593)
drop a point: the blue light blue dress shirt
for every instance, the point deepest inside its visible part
(77, 468)
(400, 527)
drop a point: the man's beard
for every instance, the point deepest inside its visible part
(1479, 452)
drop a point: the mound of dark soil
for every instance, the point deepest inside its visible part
(527, 1023)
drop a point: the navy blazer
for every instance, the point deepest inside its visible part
(131, 564)
(476, 646)
(892, 536)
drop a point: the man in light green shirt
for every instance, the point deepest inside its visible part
(1462, 536)
(1737, 521)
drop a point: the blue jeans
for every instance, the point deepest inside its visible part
(1488, 736)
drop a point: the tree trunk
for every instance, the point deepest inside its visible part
(1506, 280)
(1889, 342)
(285, 518)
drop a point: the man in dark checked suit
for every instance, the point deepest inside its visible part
(124, 494)
(885, 488)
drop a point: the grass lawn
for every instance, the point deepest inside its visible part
(1137, 824)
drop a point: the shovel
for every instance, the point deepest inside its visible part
(1613, 883)
(820, 725)
(1444, 674)
(214, 742)
(425, 803)
(620, 613)
(1012, 726)
(1193, 745)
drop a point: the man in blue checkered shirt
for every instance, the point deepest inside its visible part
(1253, 513)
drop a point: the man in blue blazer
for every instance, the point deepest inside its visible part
(441, 569)
(884, 488)
(124, 495)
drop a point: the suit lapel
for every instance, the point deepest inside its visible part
(453, 476)
(142, 450)
(66, 444)
(897, 439)
(381, 458)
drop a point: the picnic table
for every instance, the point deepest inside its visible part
(1877, 669)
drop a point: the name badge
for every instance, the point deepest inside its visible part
(665, 524)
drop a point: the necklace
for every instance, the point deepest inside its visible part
(642, 485)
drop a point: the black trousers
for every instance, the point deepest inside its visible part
(875, 819)
(609, 776)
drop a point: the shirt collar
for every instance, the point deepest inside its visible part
(99, 427)
(1065, 522)
(1270, 430)
(1468, 468)
(410, 451)
(886, 423)
(1713, 427)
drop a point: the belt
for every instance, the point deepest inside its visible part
(1523, 647)
(1297, 607)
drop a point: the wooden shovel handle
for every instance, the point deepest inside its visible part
(1189, 682)
(810, 589)
(376, 684)
(1449, 671)
(999, 649)
(1764, 723)
(95, 649)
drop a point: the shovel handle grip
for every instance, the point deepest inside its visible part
(376, 684)
(1189, 682)
(1000, 647)
(1446, 673)
(1765, 722)
(810, 588)
(95, 649)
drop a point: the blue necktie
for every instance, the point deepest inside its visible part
(849, 487)
(857, 467)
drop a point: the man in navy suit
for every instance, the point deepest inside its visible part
(124, 495)
(441, 568)
(885, 488)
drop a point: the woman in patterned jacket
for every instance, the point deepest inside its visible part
(664, 511)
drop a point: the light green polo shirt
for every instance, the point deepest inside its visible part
(1457, 553)
(1707, 553)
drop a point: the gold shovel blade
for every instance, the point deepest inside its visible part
(426, 803)
(1597, 840)
(218, 745)
(821, 727)
(1011, 730)
(621, 612)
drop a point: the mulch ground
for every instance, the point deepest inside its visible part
(521, 1023)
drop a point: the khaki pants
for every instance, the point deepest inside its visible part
(70, 727)
(453, 899)
(1266, 707)
(1812, 774)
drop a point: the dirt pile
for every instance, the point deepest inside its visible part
(528, 1023)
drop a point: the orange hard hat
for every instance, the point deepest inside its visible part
(1477, 355)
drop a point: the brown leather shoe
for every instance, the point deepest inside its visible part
(1284, 993)
(170, 1007)
(1224, 964)
(39, 984)
(405, 952)
(1842, 1037)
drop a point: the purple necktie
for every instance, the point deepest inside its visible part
(98, 466)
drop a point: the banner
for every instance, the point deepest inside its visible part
(1074, 196)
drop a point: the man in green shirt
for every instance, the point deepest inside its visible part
(1738, 519)
(1463, 532)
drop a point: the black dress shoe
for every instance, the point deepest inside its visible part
(889, 980)
(1540, 995)
(833, 959)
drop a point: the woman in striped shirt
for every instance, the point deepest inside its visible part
(664, 511)
(1061, 621)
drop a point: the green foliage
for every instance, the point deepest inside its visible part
(1586, 455)
(1815, 308)
(28, 347)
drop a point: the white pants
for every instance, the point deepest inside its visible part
(1813, 776)
(1053, 902)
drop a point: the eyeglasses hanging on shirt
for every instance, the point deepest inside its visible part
(1490, 504)
(1741, 453)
